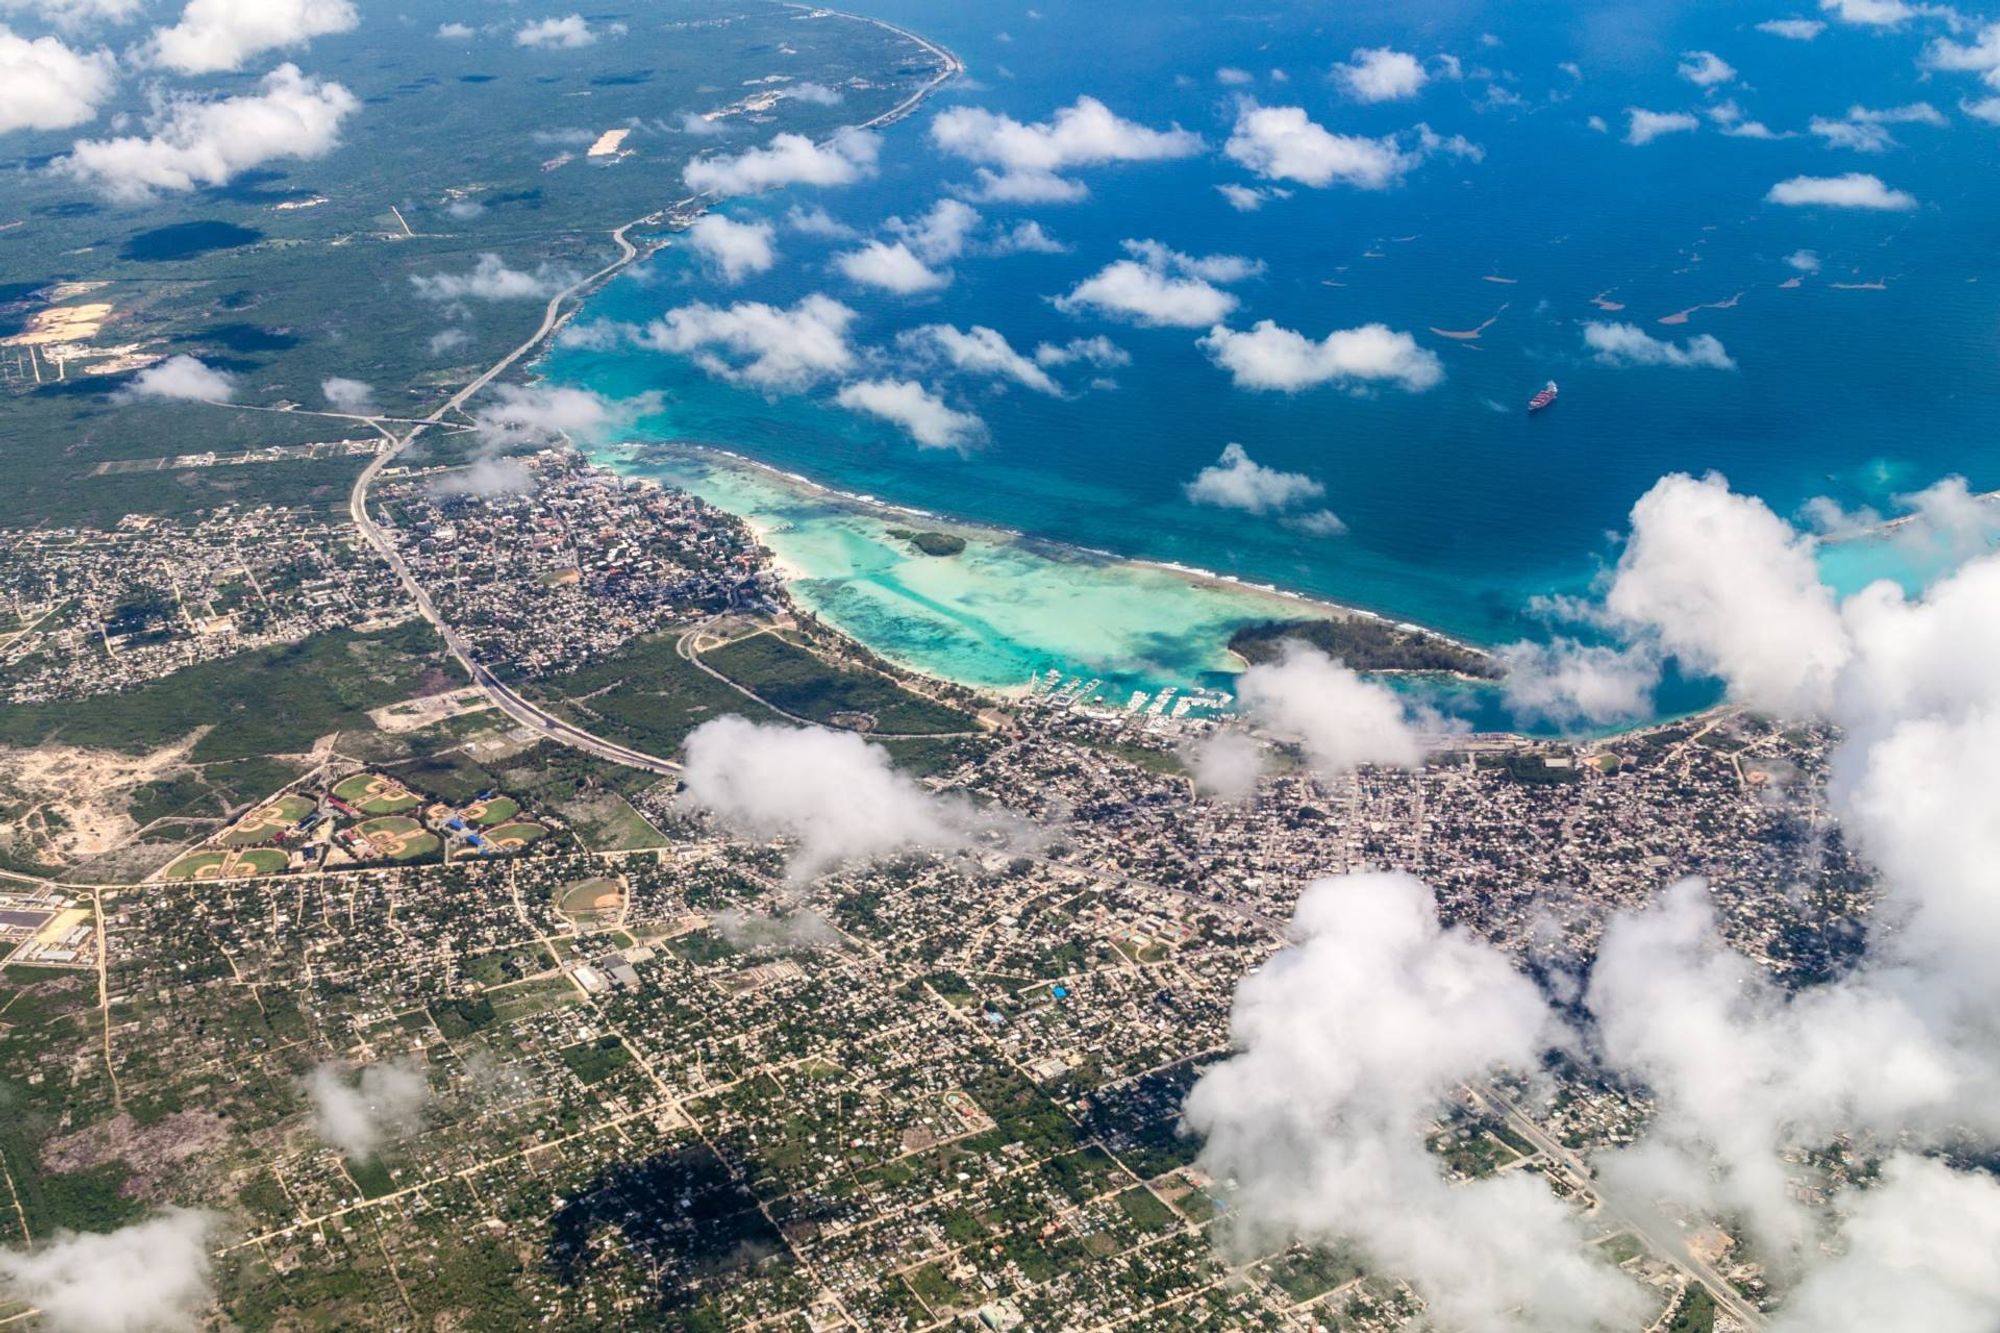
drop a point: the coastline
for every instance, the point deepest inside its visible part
(1225, 600)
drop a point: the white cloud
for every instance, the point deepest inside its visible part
(491, 280)
(1027, 238)
(1986, 109)
(1643, 126)
(1873, 13)
(347, 395)
(1283, 143)
(562, 34)
(216, 35)
(1571, 684)
(838, 797)
(1630, 345)
(816, 221)
(1098, 351)
(1249, 198)
(789, 159)
(1729, 117)
(765, 346)
(73, 15)
(1347, 1045)
(1705, 69)
(1853, 190)
(927, 418)
(1161, 288)
(194, 143)
(816, 94)
(1339, 719)
(1980, 56)
(531, 414)
(1023, 162)
(893, 267)
(735, 250)
(147, 1277)
(1917, 1254)
(182, 379)
(1805, 261)
(976, 351)
(1732, 591)
(448, 340)
(1865, 130)
(44, 85)
(939, 235)
(1236, 481)
(1793, 30)
(455, 32)
(1226, 764)
(1270, 356)
(1231, 77)
(1380, 74)
(356, 1112)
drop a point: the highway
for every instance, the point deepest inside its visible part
(530, 715)
(504, 697)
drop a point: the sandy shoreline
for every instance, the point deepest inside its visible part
(1283, 602)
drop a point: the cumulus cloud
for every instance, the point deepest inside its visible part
(1792, 30)
(1630, 345)
(1980, 56)
(183, 379)
(1381, 74)
(1339, 719)
(792, 932)
(1732, 591)
(1024, 162)
(927, 418)
(1347, 1045)
(767, 347)
(71, 15)
(1874, 13)
(734, 250)
(1097, 351)
(1917, 1253)
(1283, 143)
(1236, 481)
(976, 351)
(789, 159)
(1852, 190)
(837, 797)
(1270, 356)
(1161, 288)
(1705, 69)
(891, 267)
(564, 34)
(147, 1277)
(190, 142)
(816, 221)
(356, 1112)
(44, 85)
(1643, 126)
(216, 35)
(1805, 261)
(1866, 130)
(346, 395)
(1572, 684)
(1249, 198)
(455, 32)
(1225, 764)
(1028, 238)
(532, 414)
(490, 279)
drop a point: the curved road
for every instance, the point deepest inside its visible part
(529, 714)
(504, 697)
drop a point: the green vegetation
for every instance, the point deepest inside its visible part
(1696, 1312)
(644, 695)
(802, 683)
(931, 543)
(595, 1061)
(275, 701)
(1362, 642)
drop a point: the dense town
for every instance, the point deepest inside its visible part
(656, 1077)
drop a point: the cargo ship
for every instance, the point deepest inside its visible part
(1544, 398)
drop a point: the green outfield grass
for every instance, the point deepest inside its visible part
(266, 822)
(373, 794)
(508, 836)
(494, 812)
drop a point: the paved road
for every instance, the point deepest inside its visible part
(1663, 1243)
(530, 715)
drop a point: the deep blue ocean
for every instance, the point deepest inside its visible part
(1459, 507)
